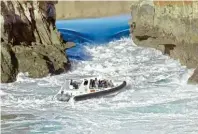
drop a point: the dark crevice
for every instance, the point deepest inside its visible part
(144, 37)
(13, 68)
(33, 22)
(51, 67)
(168, 48)
(49, 64)
(59, 71)
(67, 65)
(15, 63)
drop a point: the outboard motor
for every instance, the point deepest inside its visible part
(63, 97)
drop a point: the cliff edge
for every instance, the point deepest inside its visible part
(91, 9)
(29, 43)
(169, 26)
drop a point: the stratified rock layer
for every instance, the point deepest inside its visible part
(29, 43)
(169, 26)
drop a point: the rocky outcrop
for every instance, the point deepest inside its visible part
(9, 64)
(169, 26)
(194, 78)
(29, 43)
(40, 60)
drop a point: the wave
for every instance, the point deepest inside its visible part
(92, 32)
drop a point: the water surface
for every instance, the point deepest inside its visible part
(156, 99)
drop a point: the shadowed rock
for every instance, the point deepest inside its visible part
(194, 78)
(29, 42)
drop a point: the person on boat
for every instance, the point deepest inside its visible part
(75, 85)
(105, 84)
(85, 82)
(91, 84)
(96, 83)
(99, 84)
(71, 82)
(111, 83)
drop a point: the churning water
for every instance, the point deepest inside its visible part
(156, 100)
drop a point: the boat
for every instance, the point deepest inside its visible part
(88, 88)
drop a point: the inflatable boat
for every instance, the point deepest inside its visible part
(88, 88)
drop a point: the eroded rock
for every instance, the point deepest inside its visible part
(173, 26)
(29, 42)
(9, 64)
(194, 78)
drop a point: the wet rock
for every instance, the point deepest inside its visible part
(9, 64)
(171, 27)
(194, 78)
(29, 43)
(40, 60)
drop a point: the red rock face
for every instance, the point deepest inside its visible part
(165, 3)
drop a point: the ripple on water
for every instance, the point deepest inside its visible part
(156, 99)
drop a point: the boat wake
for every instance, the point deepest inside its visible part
(156, 100)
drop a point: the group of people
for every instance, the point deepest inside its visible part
(100, 83)
(94, 83)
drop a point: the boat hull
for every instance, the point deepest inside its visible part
(100, 94)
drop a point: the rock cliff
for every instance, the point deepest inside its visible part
(169, 26)
(28, 42)
(91, 9)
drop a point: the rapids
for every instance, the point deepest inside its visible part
(157, 98)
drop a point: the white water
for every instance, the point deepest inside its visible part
(156, 100)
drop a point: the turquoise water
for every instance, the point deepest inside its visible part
(92, 31)
(156, 100)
